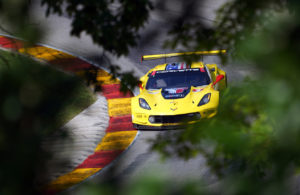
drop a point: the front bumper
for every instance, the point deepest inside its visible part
(163, 121)
(163, 115)
(163, 127)
(173, 119)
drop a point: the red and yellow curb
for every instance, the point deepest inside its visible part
(119, 134)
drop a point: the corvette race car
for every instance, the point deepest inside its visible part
(175, 92)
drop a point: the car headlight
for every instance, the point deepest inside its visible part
(205, 99)
(144, 104)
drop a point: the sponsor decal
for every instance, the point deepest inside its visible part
(174, 93)
(176, 66)
(182, 70)
(175, 96)
(175, 90)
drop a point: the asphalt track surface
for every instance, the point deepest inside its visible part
(139, 160)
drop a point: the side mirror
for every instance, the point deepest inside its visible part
(218, 79)
(140, 84)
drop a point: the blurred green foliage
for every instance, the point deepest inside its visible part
(128, 80)
(33, 105)
(16, 19)
(149, 184)
(252, 144)
(111, 24)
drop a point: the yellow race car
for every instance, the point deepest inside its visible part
(175, 92)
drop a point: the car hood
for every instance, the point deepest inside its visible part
(184, 101)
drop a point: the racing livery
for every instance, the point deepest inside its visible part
(175, 92)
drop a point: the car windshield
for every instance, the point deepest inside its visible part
(177, 78)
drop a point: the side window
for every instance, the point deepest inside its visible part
(151, 84)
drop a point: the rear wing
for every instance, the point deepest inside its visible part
(169, 55)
